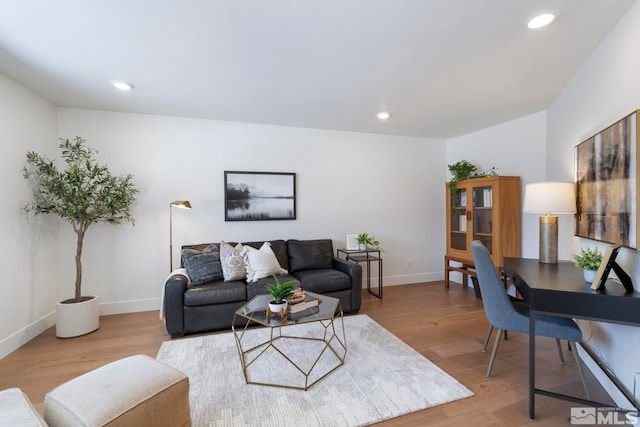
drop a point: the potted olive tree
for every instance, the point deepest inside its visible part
(84, 193)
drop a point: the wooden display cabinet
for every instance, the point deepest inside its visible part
(485, 209)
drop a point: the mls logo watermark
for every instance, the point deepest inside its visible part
(604, 416)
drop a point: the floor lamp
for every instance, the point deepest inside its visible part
(181, 204)
(550, 198)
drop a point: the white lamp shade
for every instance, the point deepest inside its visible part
(550, 197)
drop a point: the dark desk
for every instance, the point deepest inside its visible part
(560, 289)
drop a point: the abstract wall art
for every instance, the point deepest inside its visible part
(606, 189)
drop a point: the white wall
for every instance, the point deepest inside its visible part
(391, 187)
(605, 89)
(29, 250)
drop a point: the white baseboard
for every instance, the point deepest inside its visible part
(26, 334)
(403, 279)
(132, 306)
(604, 380)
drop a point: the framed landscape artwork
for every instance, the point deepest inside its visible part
(606, 194)
(259, 196)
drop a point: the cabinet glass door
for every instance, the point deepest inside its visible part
(482, 215)
(459, 219)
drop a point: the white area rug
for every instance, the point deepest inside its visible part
(382, 378)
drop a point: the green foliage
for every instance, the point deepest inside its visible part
(83, 194)
(588, 259)
(281, 291)
(366, 239)
(465, 170)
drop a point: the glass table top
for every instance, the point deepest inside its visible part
(256, 311)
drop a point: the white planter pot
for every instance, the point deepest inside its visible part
(589, 275)
(277, 308)
(362, 246)
(77, 318)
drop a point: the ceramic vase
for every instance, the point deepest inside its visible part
(277, 308)
(589, 275)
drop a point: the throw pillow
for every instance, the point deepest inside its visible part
(202, 266)
(309, 254)
(261, 263)
(232, 262)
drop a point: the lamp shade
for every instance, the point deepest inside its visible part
(550, 197)
(182, 204)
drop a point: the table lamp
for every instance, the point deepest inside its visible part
(549, 198)
(180, 204)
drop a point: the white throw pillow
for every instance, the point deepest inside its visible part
(232, 261)
(261, 263)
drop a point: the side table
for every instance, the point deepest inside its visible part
(366, 255)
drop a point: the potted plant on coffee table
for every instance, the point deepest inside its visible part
(83, 194)
(280, 292)
(589, 261)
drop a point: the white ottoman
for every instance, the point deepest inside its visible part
(16, 410)
(135, 391)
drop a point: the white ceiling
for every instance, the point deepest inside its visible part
(443, 68)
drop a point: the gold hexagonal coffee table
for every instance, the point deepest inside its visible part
(294, 351)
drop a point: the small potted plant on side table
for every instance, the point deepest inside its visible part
(280, 293)
(365, 240)
(588, 260)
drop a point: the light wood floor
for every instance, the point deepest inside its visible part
(447, 327)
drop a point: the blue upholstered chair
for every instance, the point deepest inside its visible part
(507, 315)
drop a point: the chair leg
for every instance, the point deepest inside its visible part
(574, 350)
(494, 351)
(486, 340)
(560, 351)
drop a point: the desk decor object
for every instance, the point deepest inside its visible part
(606, 173)
(549, 198)
(609, 263)
(589, 261)
(259, 196)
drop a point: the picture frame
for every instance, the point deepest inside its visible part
(607, 264)
(352, 242)
(606, 193)
(259, 196)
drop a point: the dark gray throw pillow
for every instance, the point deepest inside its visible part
(310, 254)
(202, 267)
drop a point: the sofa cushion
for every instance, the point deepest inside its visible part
(260, 286)
(202, 267)
(323, 280)
(215, 293)
(309, 254)
(232, 262)
(279, 247)
(261, 263)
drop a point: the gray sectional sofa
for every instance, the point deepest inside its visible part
(198, 307)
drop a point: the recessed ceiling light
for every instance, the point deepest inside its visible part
(122, 85)
(383, 115)
(541, 20)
